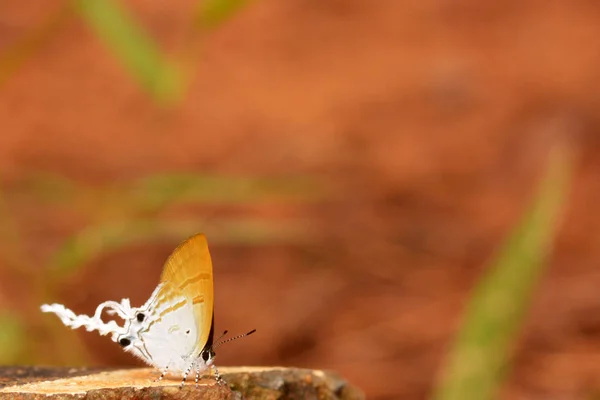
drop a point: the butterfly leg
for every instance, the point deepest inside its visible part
(162, 375)
(197, 374)
(218, 378)
(185, 374)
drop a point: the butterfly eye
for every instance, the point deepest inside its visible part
(140, 317)
(124, 342)
(205, 355)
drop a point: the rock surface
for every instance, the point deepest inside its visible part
(105, 384)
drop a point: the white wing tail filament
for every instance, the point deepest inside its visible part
(95, 323)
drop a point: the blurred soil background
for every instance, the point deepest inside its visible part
(404, 140)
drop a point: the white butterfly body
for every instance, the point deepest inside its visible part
(162, 320)
(173, 331)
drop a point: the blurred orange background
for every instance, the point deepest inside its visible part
(371, 156)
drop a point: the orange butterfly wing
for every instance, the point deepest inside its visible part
(189, 270)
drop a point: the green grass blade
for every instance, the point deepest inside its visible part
(212, 13)
(153, 192)
(138, 52)
(12, 339)
(23, 49)
(479, 359)
(84, 246)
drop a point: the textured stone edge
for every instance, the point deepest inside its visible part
(246, 383)
(269, 383)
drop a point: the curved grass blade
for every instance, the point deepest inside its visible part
(212, 13)
(12, 339)
(18, 53)
(138, 52)
(93, 241)
(156, 191)
(479, 359)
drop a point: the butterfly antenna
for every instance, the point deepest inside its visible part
(222, 334)
(220, 342)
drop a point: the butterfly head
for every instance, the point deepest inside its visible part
(208, 356)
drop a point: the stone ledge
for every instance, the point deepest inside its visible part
(54, 383)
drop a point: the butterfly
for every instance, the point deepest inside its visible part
(174, 330)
